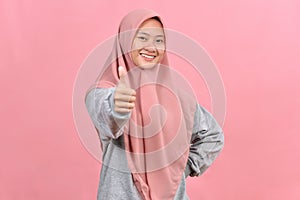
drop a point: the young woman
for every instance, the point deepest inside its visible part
(153, 132)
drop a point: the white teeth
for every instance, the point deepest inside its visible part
(147, 56)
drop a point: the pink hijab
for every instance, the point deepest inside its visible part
(157, 136)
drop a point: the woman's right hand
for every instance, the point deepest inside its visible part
(124, 97)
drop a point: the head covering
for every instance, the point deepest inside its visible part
(158, 134)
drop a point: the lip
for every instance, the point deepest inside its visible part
(148, 57)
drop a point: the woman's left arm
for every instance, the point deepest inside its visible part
(206, 143)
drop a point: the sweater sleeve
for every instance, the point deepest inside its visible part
(100, 105)
(207, 142)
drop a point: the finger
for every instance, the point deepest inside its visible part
(122, 110)
(124, 105)
(124, 98)
(122, 73)
(126, 91)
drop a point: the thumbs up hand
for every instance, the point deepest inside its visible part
(124, 96)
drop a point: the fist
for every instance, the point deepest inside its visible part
(124, 97)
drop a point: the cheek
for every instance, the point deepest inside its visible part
(134, 56)
(161, 54)
(161, 49)
(136, 45)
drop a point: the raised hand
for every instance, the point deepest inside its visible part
(124, 96)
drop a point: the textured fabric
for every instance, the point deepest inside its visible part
(157, 136)
(116, 180)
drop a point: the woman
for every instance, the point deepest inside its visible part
(153, 132)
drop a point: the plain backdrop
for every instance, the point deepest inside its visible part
(255, 45)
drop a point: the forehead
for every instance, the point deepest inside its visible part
(151, 26)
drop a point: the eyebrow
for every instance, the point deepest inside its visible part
(141, 32)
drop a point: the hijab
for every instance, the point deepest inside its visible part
(157, 135)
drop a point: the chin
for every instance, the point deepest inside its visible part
(147, 65)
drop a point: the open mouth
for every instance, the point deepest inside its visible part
(148, 57)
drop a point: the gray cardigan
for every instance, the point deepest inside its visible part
(116, 182)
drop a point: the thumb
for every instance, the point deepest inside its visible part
(122, 73)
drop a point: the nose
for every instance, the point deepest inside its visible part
(150, 46)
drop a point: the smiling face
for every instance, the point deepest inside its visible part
(148, 47)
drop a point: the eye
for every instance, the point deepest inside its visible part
(142, 38)
(159, 41)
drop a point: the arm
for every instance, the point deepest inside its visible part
(206, 143)
(100, 105)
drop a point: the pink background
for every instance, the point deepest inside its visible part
(255, 45)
